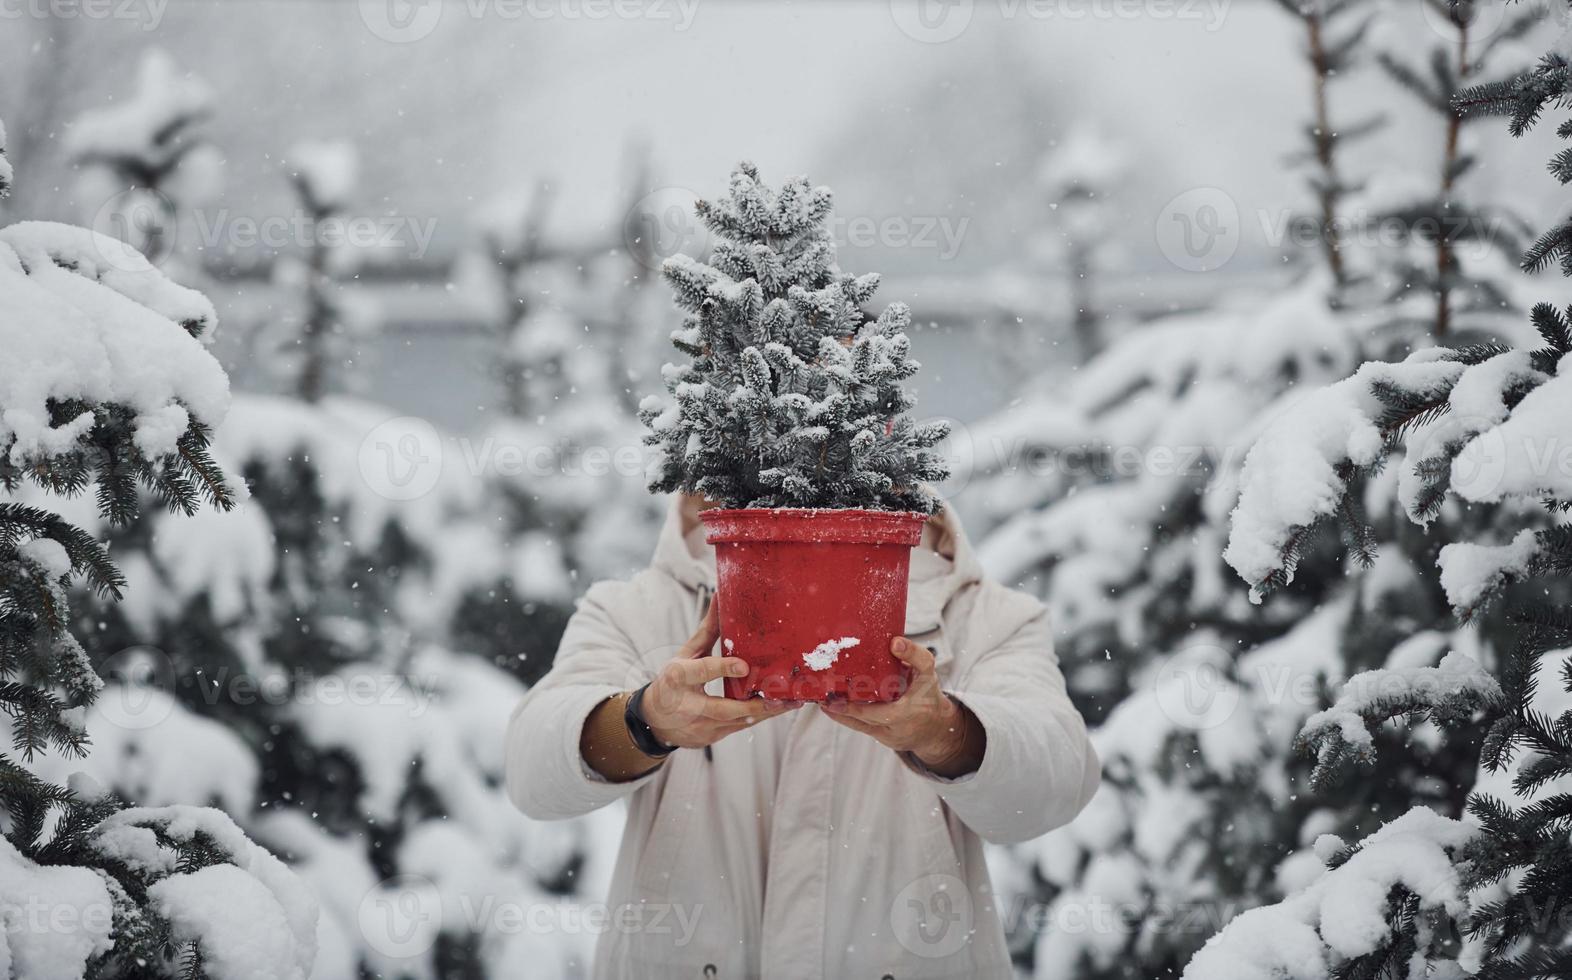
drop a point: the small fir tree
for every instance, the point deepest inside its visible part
(1456, 236)
(1335, 39)
(324, 175)
(793, 398)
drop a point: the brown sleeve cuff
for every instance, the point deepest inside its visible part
(965, 754)
(608, 748)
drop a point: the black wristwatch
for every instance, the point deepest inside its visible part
(643, 737)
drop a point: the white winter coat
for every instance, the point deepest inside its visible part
(802, 850)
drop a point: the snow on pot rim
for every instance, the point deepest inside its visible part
(813, 524)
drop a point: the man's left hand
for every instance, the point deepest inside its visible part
(923, 721)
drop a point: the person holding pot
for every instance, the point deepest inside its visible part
(811, 842)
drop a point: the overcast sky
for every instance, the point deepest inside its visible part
(943, 117)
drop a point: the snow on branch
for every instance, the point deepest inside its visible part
(1347, 912)
(1343, 733)
(144, 132)
(1298, 471)
(247, 915)
(1525, 454)
(326, 173)
(87, 322)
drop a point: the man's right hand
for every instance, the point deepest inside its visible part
(680, 713)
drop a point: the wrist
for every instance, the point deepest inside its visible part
(946, 735)
(640, 729)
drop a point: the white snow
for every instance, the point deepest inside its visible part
(825, 654)
(1290, 477)
(48, 554)
(265, 925)
(76, 911)
(1525, 455)
(1359, 699)
(134, 127)
(1342, 914)
(1471, 572)
(237, 923)
(115, 338)
(327, 170)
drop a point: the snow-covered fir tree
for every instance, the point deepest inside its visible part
(251, 630)
(792, 396)
(1080, 180)
(1450, 272)
(320, 333)
(1335, 40)
(1467, 431)
(1120, 484)
(108, 389)
(142, 155)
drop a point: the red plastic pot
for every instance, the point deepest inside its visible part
(812, 598)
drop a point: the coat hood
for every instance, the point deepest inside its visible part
(933, 583)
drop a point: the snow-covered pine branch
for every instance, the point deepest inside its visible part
(1454, 690)
(792, 397)
(1344, 923)
(1449, 406)
(141, 154)
(145, 136)
(106, 385)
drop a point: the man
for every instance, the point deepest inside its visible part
(803, 842)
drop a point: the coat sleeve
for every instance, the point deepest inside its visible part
(544, 770)
(1038, 769)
